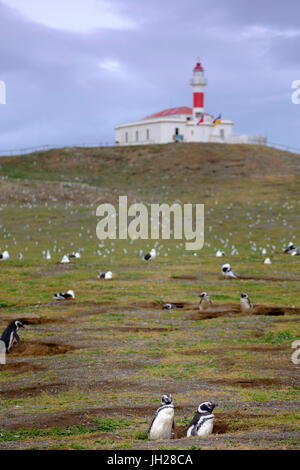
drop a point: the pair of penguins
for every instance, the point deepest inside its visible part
(162, 423)
(245, 303)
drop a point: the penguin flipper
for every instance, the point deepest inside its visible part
(17, 338)
(193, 424)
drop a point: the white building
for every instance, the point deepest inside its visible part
(183, 124)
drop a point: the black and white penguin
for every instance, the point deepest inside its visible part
(162, 422)
(74, 254)
(227, 271)
(291, 247)
(169, 306)
(150, 255)
(246, 305)
(205, 301)
(220, 253)
(65, 295)
(4, 255)
(107, 275)
(203, 422)
(10, 334)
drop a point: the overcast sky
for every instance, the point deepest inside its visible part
(74, 69)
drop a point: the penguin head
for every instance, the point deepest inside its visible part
(244, 295)
(18, 324)
(226, 268)
(202, 294)
(168, 306)
(206, 407)
(166, 399)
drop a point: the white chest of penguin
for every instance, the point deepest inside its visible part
(205, 429)
(162, 426)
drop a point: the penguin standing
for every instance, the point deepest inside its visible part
(203, 422)
(162, 422)
(205, 301)
(246, 305)
(10, 334)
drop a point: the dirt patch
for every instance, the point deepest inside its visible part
(256, 382)
(224, 310)
(22, 367)
(30, 348)
(51, 389)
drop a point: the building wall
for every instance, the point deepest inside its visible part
(162, 131)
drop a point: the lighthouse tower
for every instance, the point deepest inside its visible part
(198, 83)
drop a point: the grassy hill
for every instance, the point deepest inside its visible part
(114, 348)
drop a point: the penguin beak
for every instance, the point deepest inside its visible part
(213, 405)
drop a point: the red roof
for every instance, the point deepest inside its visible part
(171, 112)
(198, 67)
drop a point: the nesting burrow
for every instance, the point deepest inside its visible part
(35, 348)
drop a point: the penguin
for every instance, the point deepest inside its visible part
(75, 254)
(267, 261)
(246, 305)
(220, 253)
(227, 271)
(291, 247)
(4, 255)
(107, 275)
(162, 422)
(65, 259)
(203, 422)
(65, 295)
(205, 301)
(150, 255)
(10, 334)
(295, 252)
(169, 306)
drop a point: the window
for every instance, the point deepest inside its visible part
(147, 134)
(176, 131)
(137, 136)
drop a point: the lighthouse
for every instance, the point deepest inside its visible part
(183, 123)
(198, 83)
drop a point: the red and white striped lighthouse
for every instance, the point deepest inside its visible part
(198, 83)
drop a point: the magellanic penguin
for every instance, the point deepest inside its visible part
(246, 305)
(169, 306)
(65, 295)
(291, 247)
(107, 275)
(10, 334)
(205, 301)
(227, 271)
(4, 255)
(203, 422)
(150, 255)
(162, 422)
(220, 253)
